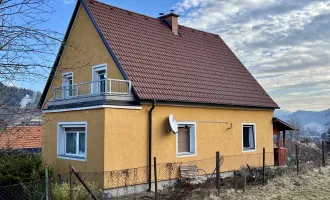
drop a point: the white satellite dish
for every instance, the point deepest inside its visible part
(172, 124)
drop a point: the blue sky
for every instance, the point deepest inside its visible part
(284, 43)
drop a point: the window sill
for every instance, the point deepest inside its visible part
(71, 158)
(249, 150)
(185, 154)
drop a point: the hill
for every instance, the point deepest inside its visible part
(312, 121)
(18, 106)
(14, 97)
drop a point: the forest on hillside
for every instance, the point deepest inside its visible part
(18, 105)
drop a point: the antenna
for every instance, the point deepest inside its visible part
(172, 125)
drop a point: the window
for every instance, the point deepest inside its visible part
(72, 140)
(75, 141)
(249, 135)
(99, 78)
(186, 139)
(67, 82)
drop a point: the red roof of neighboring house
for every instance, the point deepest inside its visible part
(20, 137)
(195, 67)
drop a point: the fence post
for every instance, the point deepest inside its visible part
(47, 183)
(70, 170)
(217, 169)
(297, 157)
(244, 186)
(263, 166)
(155, 176)
(323, 154)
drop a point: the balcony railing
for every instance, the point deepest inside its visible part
(93, 88)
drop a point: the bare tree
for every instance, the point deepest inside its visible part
(27, 50)
(295, 135)
(26, 47)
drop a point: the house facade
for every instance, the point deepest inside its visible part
(119, 75)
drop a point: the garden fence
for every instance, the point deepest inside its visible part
(211, 175)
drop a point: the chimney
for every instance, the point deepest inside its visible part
(172, 20)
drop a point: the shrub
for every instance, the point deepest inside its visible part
(19, 167)
(62, 191)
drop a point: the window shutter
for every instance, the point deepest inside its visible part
(184, 140)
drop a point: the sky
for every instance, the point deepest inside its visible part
(285, 44)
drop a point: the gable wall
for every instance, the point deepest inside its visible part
(83, 50)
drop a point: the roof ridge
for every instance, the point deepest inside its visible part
(215, 34)
(124, 9)
(143, 15)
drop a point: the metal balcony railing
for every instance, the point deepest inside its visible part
(93, 88)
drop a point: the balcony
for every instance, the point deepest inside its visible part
(107, 89)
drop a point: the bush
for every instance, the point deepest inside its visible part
(62, 191)
(19, 167)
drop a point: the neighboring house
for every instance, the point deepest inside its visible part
(119, 75)
(27, 138)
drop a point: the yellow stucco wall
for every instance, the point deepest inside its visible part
(95, 140)
(127, 135)
(84, 50)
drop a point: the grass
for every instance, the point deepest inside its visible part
(311, 185)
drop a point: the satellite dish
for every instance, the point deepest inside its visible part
(172, 124)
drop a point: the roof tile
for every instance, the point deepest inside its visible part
(19, 137)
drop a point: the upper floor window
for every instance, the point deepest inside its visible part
(67, 82)
(99, 79)
(249, 137)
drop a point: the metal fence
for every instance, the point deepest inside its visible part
(38, 189)
(93, 88)
(170, 180)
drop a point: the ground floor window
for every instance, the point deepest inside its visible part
(249, 141)
(72, 140)
(186, 139)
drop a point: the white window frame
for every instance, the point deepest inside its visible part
(255, 137)
(193, 139)
(65, 76)
(95, 69)
(61, 140)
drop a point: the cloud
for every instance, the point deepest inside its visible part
(284, 43)
(69, 1)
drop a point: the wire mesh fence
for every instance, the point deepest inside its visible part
(25, 191)
(173, 180)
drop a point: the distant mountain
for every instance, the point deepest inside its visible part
(313, 121)
(17, 105)
(14, 97)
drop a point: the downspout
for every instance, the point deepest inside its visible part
(150, 144)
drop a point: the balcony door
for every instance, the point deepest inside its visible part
(67, 82)
(99, 79)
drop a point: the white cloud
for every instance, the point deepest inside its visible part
(69, 1)
(285, 44)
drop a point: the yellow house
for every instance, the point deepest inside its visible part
(118, 77)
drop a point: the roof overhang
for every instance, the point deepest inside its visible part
(283, 126)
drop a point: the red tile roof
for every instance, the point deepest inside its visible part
(194, 67)
(20, 137)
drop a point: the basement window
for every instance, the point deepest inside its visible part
(186, 139)
(249, 137)
(72, 140)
